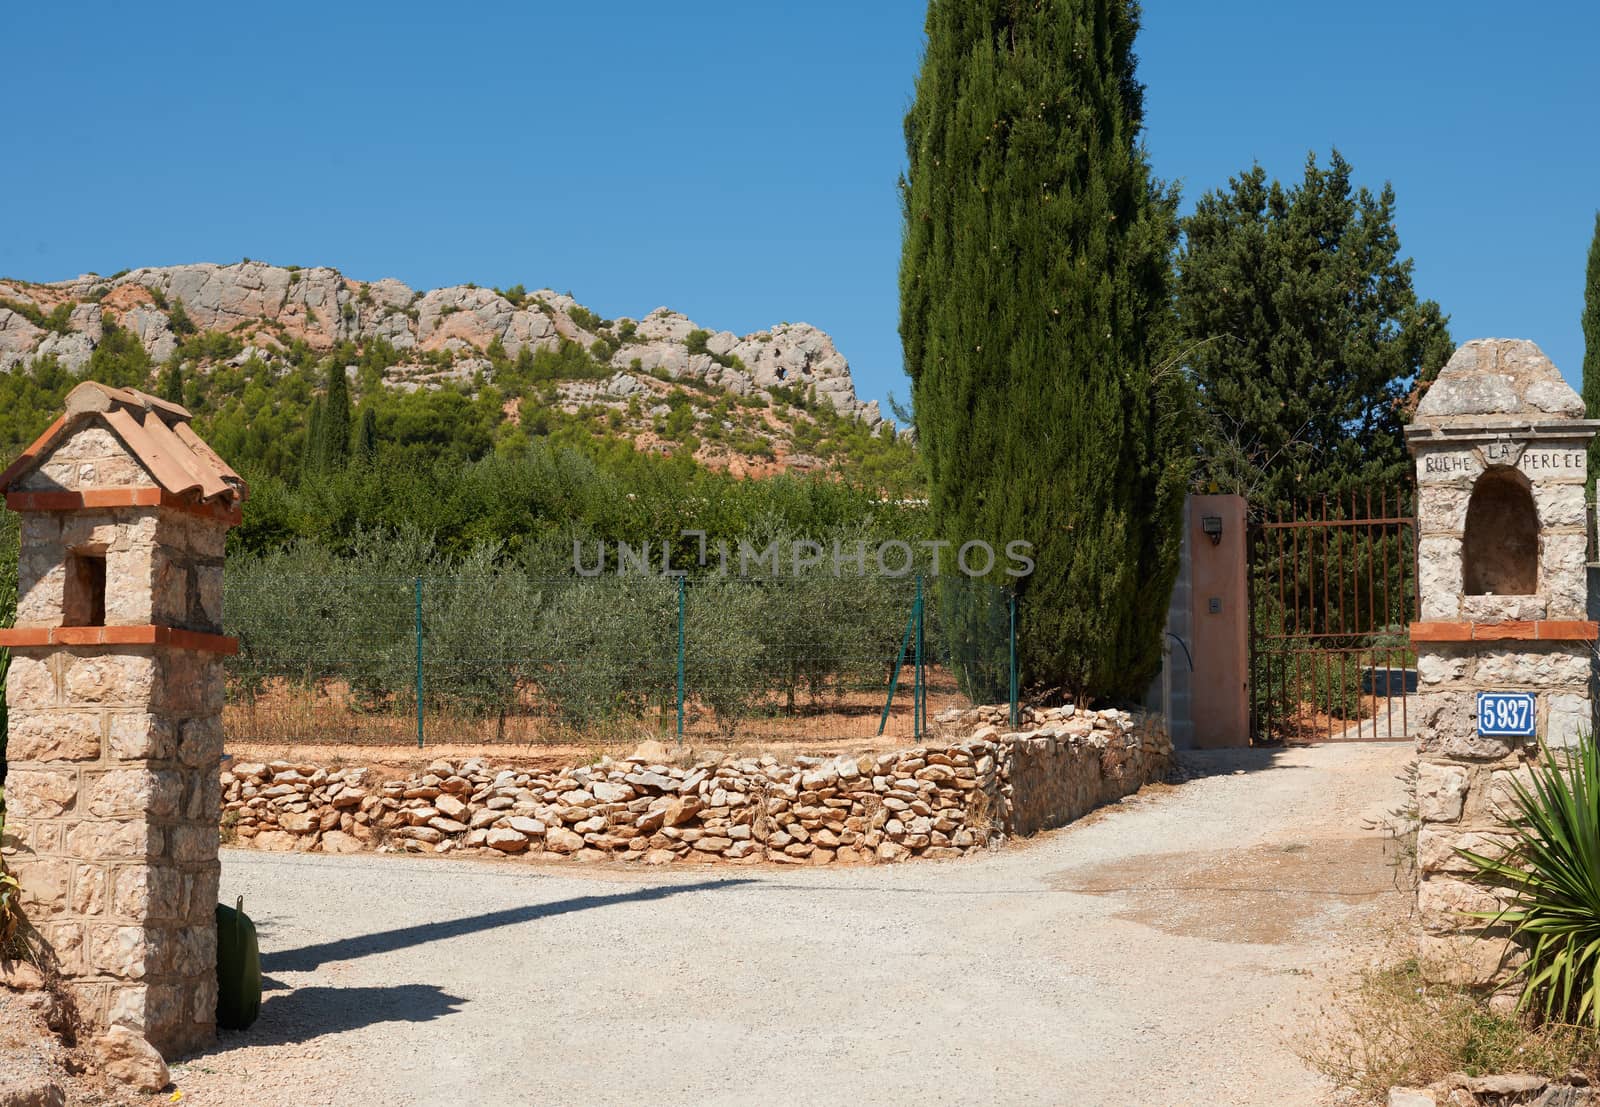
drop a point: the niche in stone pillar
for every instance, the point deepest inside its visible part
(1500, 545)
(84, 599)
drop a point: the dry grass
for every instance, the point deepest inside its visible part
(1395, 1029)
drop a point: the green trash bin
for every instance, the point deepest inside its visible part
(238, 968)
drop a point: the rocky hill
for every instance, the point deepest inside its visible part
(456, 337)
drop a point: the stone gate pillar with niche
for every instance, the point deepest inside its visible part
(115, 696)
(1500, 446)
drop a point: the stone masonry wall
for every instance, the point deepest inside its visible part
(941, 800)
(115, 737)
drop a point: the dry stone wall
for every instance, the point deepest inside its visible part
(945, 799)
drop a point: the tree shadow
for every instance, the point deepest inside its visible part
(307, 958)
(303, 1013)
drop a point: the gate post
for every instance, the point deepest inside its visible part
(1217, 542)
(115, 695)
(1500, 446)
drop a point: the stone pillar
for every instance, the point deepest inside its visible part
(115, 695)
(1499, 442)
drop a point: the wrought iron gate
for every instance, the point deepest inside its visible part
(1333, 591)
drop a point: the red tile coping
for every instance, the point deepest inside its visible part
(1540, 630)
(120, 497)
(119, 636)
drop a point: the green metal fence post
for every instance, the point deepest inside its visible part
(419, 662)
(680, 660)
(1012, 604)
(899, 663)
(920, 689)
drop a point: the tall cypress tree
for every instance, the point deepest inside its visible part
(335, 448)
(311, 460)
(1034, 289)
(366, 449)
(1591, 343)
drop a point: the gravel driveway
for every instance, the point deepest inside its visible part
(1164, 951)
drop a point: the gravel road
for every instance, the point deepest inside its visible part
(1163, 951)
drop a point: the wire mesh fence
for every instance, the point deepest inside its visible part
(344, 658)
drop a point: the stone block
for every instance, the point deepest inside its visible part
(208, 598)
(1569, 719)
(1441, 792)
(88, 889)
(44, 882)
(1446, 904)
(135, 793)
(1472, 959)
(40, 793)
(128, 591)
(53, 736)
(1449, 728)
(200, 741)
(30, 682)
(140, 736)
(1560, 505)
(110, 678)
(144, 892)
(41, 589)
(114, 840)
(1444, 510)
(1439, 577)
(1438, 848)
(194, 843)
(1440, 665)
(1536, 665)
(122, 951)
(65, 942)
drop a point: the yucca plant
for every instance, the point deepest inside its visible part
(10, 896)
(1551, 880)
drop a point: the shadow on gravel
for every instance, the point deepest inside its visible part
(1197, 764)
(300, 1014)
(307, 958)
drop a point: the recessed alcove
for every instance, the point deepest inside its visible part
(85, 589)
(1500, 548)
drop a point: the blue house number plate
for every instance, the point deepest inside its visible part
(1505, 714)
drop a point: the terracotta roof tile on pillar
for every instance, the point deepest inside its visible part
(154, 431)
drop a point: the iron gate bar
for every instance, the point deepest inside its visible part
(1342, 596)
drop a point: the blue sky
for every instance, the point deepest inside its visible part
(737, 161)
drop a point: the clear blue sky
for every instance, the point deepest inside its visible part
(737, 160)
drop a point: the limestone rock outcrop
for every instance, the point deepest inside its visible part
(272, 306)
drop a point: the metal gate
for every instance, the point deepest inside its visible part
(1333, 591)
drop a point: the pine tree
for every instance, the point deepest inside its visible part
(1034, 286)
(312, 460)
(366, 452)
(335, 447)
(178, 320)
(1304, 336)
(1591, 344)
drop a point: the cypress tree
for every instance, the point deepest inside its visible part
(1591, 343)
(1034, 290)
(170, 387)
(312, 459)
(366, 452)
(335, 447)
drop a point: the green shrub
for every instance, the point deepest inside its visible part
(587, 319)
(1551, 880)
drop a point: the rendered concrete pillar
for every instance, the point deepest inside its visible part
(1219, 696)
(115, 695)
(1499, 442)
